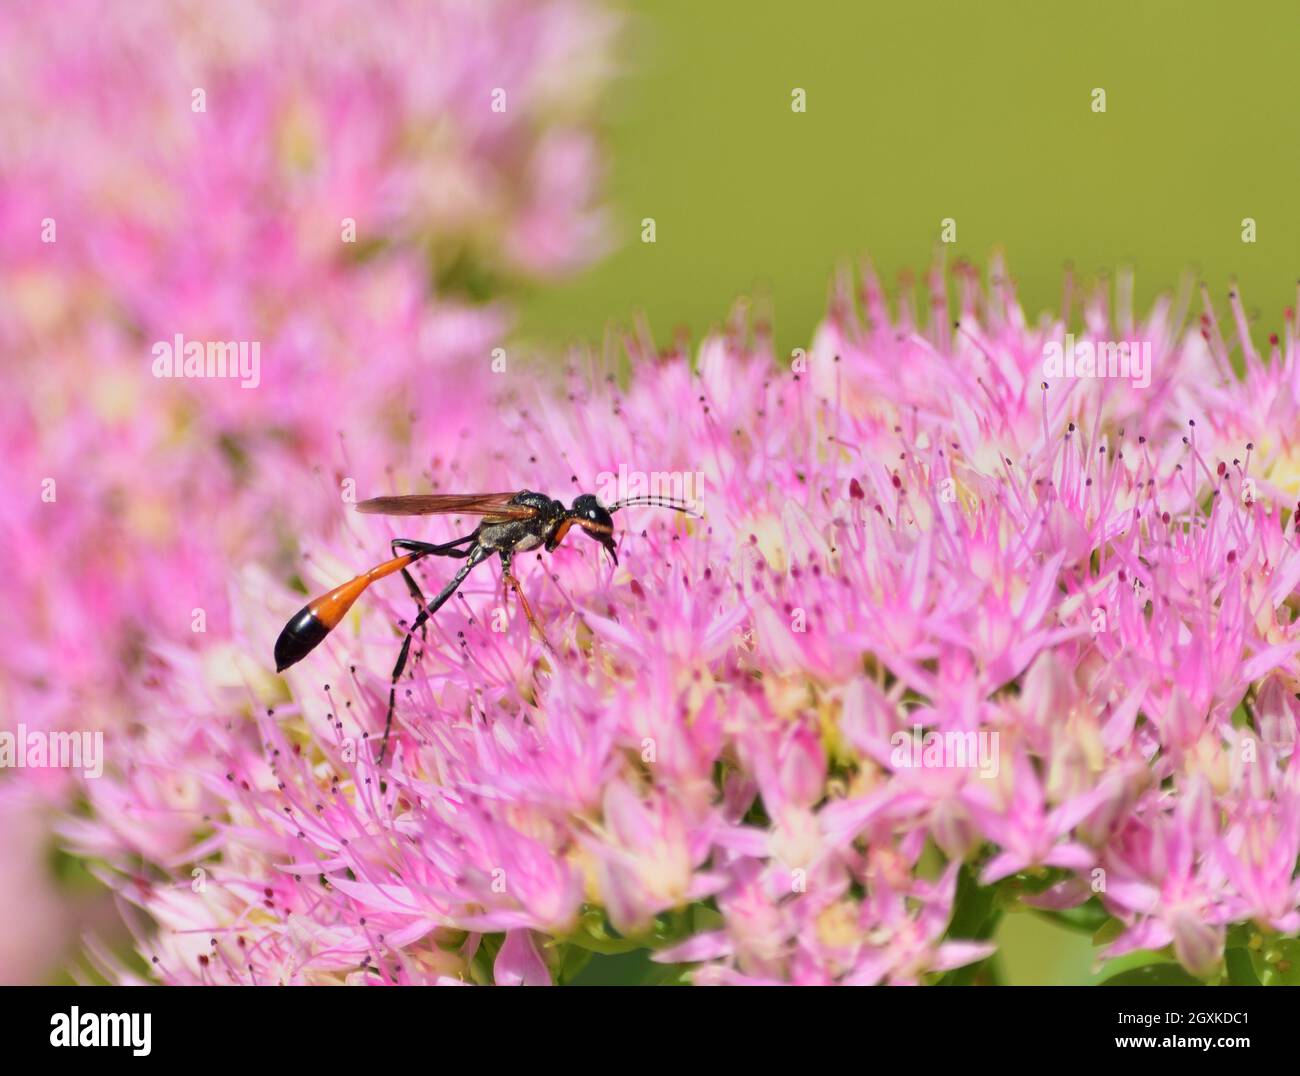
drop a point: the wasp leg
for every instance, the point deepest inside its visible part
(412, 587)
(508, 579)
(475, 557)
(447, 549)
(425, 549)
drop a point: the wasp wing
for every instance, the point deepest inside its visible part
(494, 506)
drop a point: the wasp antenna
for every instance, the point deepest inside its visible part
(653, 502)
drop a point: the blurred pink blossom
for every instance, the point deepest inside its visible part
(356, 197)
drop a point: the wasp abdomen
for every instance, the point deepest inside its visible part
(299, 638)
(313, 622)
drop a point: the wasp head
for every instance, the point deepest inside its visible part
(594, 518)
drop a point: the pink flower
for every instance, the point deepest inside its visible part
(647, 858)
(1166, 889)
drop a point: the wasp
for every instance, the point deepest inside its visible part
(511, 523)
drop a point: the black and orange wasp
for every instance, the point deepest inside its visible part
(512, 523)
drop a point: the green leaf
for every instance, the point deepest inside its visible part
(575, 959)
(1280, 958)
(669, 975)
(1160, 974)
(1108, 932)
(975, 917)
(974, 913)
(1034, 881)
(1087, 918)
(1240, 934)
(1241, 972)
(628, 969)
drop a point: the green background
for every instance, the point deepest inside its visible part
(922, 110)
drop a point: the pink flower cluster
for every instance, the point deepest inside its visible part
(331, 190)
(947, 630)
